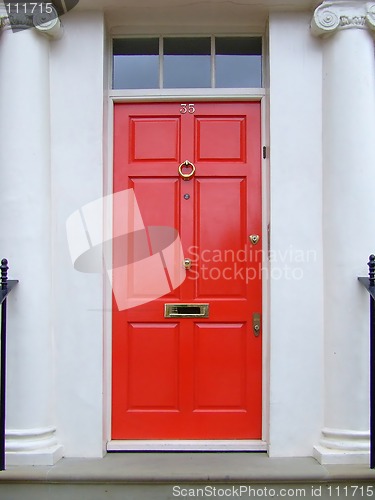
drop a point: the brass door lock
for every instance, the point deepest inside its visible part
(257, 322)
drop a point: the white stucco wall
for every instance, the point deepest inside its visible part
(296, 318)
(77, 178)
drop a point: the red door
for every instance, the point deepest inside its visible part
(193, 377)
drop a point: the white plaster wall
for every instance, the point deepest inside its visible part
(296, 308)
(77, 178)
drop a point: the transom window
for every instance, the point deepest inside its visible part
(187, 62)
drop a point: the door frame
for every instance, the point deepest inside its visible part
(209, 95)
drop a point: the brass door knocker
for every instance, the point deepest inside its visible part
(188, 176)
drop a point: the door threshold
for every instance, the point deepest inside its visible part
(187, 445)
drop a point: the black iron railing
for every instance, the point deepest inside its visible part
(6, 288)
(369, 284)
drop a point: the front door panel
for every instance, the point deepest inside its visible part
(192, 378)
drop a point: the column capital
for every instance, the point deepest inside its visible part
(334, 15)
(48, 24)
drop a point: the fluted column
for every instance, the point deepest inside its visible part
(349, 207)
(25, 239)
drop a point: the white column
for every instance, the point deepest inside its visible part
(348, 225)
(25, 239)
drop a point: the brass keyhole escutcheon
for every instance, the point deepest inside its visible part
(254, 238)
(187, 264)
(185, 164)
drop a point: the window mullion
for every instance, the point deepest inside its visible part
(213, 69)
(161, 62)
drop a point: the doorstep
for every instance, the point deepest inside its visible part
(168, 467)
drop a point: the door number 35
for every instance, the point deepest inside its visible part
(187, 108)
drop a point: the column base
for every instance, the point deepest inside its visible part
(46, 457)
(343, 447)
(32, 447)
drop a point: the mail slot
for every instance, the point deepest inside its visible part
(186, 310)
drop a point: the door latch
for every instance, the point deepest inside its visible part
(257, 323)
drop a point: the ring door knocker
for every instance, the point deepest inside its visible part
(188, 176)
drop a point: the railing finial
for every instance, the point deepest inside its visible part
(371, 269)
(4, 274)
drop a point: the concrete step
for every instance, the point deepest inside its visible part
(167, 476)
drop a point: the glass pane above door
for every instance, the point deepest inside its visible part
(187, 63)
(238, 62)
(136, 63)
